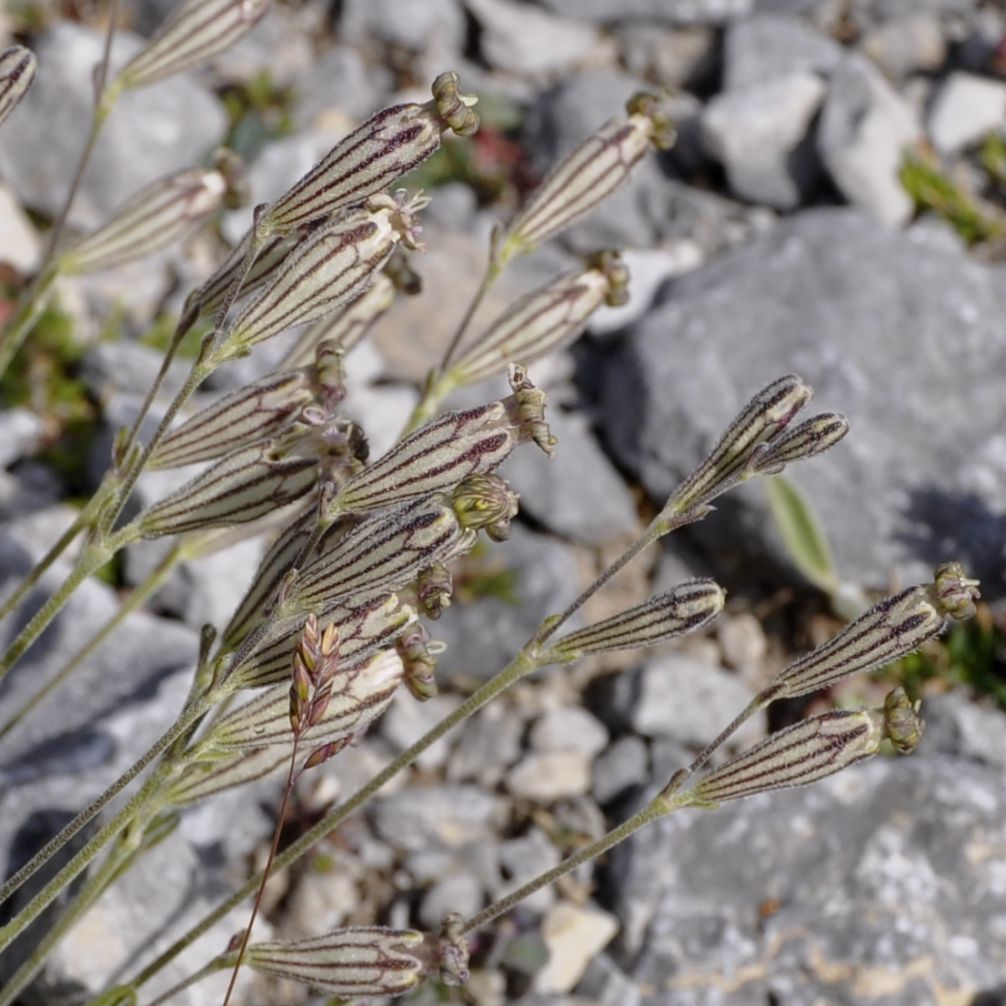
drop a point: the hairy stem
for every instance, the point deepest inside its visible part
(189, 715)
(648, 814)
(132, 603)
(493, 270)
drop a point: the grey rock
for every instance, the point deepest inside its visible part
(576, 492)
(412, 24)
(605, 983)
(760, 133)
(408, 719)
(152, 132)
(864, 131)
(965, 109)
(863, 315)
(523, 858)
(711, 221)
(482, 636)
(957, 726)
(912, 44)
(448, 816)
(20, 434)
(569, 728)
(110, 368)
(681, 12)
(767, 46)
(742, 640)
(677, 57)
(21, 244)
(490, 743)
(547, 776)
(520, 38)
(872, 11)
(898, 879)
(339, 80)
(621, 767)
(977, 50)
(460, 892)
(573, 934)
(690, 701)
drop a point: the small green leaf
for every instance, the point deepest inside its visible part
(802, 533)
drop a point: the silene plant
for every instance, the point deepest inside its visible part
(336, 618)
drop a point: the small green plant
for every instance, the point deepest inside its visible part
(335, 619)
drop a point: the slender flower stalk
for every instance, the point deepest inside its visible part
(18, 66)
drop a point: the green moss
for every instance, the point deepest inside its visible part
(160, 333)
(259, 110)
(934, 191)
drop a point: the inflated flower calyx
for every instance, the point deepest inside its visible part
(541, 321)
(335, 264)
(485, 502)
(375, 155)
(18, 66)
(587, 176)
(194, 34)
(448, 449)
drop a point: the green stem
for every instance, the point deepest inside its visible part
(62, 543)
(93, 888)
(647, 815)
(136, 598)
(217, 964)
(189, 715)
(27, 316)
(521, 665)
(493, 270)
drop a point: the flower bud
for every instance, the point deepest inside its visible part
(903, 726)
(245, 485)
(255, 412)
(334, 265)
(17, 73)
(588, 176)
(434, 588)
(685, 608)
(362, 690)
(372, 157)
(194, 34)
(814, 436)
(541, 321)
(351, 963)
(953, 593)
(154, 218)
(485, 502)
(811, 750)
(890, 629)
(759, 422)
(419, 657)
(364, 628)
(441, 454)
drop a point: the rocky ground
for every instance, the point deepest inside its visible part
(782, 233)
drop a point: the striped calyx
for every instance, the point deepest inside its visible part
(246, 484)
(194, 34)
(364, 627)
(335, 264)
(890, 629)
(348, 963)
(541, 321)
(371, 158)
(811, 750)
(18, 66)
(359, 692)
(449, 449)
(383, 553)
(735, 456)
(154, 218)
(587, 176)
(685, 608)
